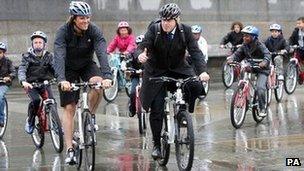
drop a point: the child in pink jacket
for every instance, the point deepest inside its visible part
(124, 41)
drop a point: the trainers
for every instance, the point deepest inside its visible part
(29, 128)
(70, 157)
(263, 113)
(281, 77)
(132, 112)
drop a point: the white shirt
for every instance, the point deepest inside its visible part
(203, 46)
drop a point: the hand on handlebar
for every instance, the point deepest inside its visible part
(263, 64)
(65, 85)
(106, 83)
(7, 79)
(26, 85)
(204, 76)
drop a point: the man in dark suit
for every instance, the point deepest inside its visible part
(163, 54)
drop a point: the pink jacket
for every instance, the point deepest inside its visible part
(123, 44)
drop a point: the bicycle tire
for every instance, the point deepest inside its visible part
(237, 124)
(165, 146)
(55, 129)
(111, 93)
(227, 83)
(291, 76)
(184, 120)
(278, 91)
(89, 141)
(38, 134)
(3, 129)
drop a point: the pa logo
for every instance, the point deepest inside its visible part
(293, 162)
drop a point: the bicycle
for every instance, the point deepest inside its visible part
(141, 114)
(84, 137)
(230, 73)
(273, 83)
(116, 62)
(175, 124)
(47, 119)
(5, 116)
(294, 72)
(245, 96)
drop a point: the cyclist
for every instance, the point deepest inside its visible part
(74, 45)
(124, 40)
(134, 78)
(7, 73)
(277, 43)
(202, 43)
(252, 48)
(163, 52)
(296, 38)
(36, 65)
(235, 36)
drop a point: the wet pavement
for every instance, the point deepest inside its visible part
(218, 146)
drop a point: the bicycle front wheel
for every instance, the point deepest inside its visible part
(38, 133)
(278, 91)
(227, 74)
(111, 93)
(89, 140)
(238, 107)
(291, 78)
(184, 145)
(5, 117)
(255, 109)
(55, 129)
(165, 146)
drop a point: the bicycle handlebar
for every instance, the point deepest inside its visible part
(44, 83)
(77, 86)
(170, 79)
(135, 71)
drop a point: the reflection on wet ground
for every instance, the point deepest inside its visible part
(219, 146)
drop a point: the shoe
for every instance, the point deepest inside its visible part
(263, 113)
(131, 111)
(70, 157)
(29, 128)
(156, 152)
(281, 77)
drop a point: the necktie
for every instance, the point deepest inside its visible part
(170, 36)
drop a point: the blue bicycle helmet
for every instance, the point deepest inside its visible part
(253, 31)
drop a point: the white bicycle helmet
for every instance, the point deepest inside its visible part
(80, 8)
(123, 24)
(275, 27)
(3, 46)
(39, 34)
(196, 29)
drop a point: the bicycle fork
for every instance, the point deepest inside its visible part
(170, 125)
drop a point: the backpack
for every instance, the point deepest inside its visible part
(157, 29)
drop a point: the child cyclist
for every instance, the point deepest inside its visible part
(36, 66)
(134, 77)
(277, 43)
(252, 48)
(7, 73)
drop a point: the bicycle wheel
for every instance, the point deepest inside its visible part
(291, 78)
(165, 146)
(278, 91)
(38, 134)
(255, 109)
(111, 93)
(89, 140)
(128, 88)
(142, 122)
(227, 74)
(238, 107)
(184, 145)
(55, 128)
(5, 112)
(78, 151)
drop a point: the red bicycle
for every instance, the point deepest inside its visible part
(141, 114)
(294, 72)
(47, 120)
(245, 96)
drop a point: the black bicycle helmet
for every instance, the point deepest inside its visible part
(169, 11)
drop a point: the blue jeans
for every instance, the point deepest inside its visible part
(3, 90)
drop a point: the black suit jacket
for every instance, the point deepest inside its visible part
(168, 57)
